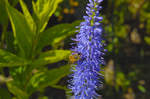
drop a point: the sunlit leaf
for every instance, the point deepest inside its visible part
(43, 10)
(47, 78)
(147, 40)
(141, 88)
(21, 30)
(51, 56)
(28, 16)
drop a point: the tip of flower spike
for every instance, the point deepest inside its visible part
(98, 1)
(105, 50)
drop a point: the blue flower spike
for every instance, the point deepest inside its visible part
(89, 44)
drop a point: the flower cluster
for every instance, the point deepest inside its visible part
(86, 76)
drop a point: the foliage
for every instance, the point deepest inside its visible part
(33, 46)
(22, 49)
(127, 31)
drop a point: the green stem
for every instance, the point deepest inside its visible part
(35, 42)
(33, 54)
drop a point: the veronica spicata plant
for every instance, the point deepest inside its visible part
(90, 47)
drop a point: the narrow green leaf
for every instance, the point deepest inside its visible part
(28, 16)
(10, 60)
(43, 10)
(21, 30)
(47, 78)
(56, 34)
(51, 57)
(20, 94)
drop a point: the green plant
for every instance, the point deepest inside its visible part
(21, 50)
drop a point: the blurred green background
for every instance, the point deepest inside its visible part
(127, 32)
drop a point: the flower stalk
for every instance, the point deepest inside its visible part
(89, 44)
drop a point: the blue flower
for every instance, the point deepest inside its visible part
(90, 46)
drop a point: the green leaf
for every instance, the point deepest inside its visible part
(51, 56)
(147, 40)
(4, 94)
(11, 60)
(28, 16)
(141, 88)
(20, 94)
(3, 13)
(21, 30)
(11, 46)
(47, 78)
(122, 31)
(14, 2)
(43, 10)
(56, 34)
(121, 81)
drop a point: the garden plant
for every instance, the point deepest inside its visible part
(74, 49)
